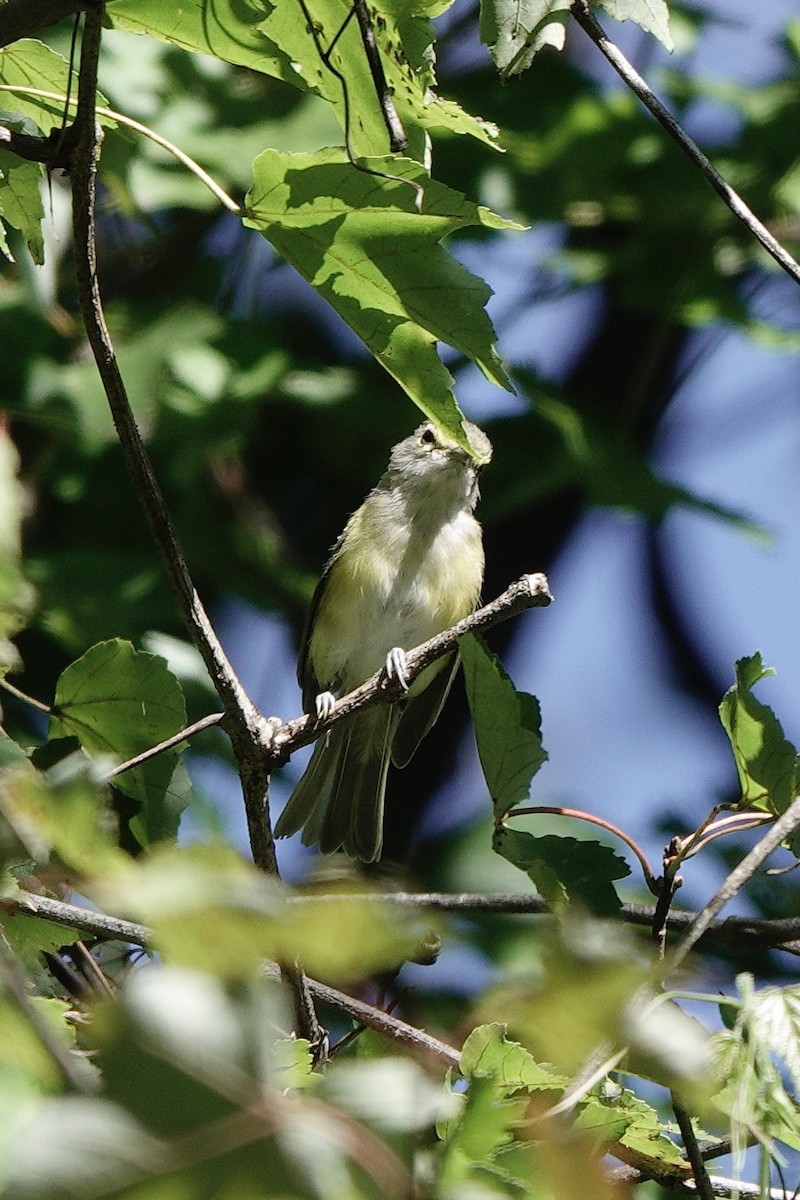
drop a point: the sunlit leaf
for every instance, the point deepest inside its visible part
(359, 239)
(507, 726)
(767, 762)
(515, 30)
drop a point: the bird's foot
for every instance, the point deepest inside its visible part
(324, 705)
(396, 668)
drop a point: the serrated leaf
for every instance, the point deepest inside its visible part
(489, 1051)
(21, 200)
(275, 39)
(515, 30)
(766, 761)
(359, 239)
(565, 869)
(507, 726)
(651, 15)
(28, 63)
(404, 39)
(645, 1134)
(120, 701)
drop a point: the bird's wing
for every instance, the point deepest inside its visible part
(305, 672)
(421, 712)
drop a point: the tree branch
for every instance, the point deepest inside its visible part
(248, 731)
(783, 827)
(25, 18)
(783, 933)
(582, 14)
(531, 591)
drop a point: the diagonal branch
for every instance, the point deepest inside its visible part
(582, 14)
(531, 591)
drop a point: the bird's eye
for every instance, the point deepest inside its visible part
(427, 437)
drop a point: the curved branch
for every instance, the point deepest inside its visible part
(582, 14)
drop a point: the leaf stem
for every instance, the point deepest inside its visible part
(26, 699)
(146, 131)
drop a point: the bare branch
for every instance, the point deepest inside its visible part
(531, 591)
(207, 722)
(582, 14)
(783, 827)
(782, 933)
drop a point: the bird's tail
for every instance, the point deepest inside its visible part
(339, 800)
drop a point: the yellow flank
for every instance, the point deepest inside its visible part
(396, 589)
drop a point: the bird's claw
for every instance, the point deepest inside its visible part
(324, 705)
(396, 668)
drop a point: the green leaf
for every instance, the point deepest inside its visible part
(644, 1131)
(60, 813)
(564, 869)
(21, 200)
(507, 726)
(404, 37)
(119, 701)
(15, 594)
(275, 39)
(766, 761)
(30, 64)
(515, 30)
(211, 910)
(489, 1051)
(226, 29)
(359, 239)
(652, 15)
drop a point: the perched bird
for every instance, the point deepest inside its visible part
(408, 565)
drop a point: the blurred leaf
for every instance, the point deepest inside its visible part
(507, 726)
(751, 1091)
(211, 910)
(61, 812)
(21, 200)
(578, 1003)
(22, 1055)
(360, 240)
(15, 593)
(652, 15)
(564, 869)
(766, 761)
(120, 701)
(515, 31)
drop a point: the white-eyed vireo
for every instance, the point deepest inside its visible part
(408, 565)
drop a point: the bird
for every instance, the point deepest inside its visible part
(408, 565)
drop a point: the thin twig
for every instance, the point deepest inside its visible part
(206, 722)
(783, 827)
(579, 814)
(690, 1145)
(14, 691)
(385, 1024)
(248, 731)
(583, 15)
(397, 136)
(51, 149)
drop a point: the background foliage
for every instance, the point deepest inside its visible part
(243, 340)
